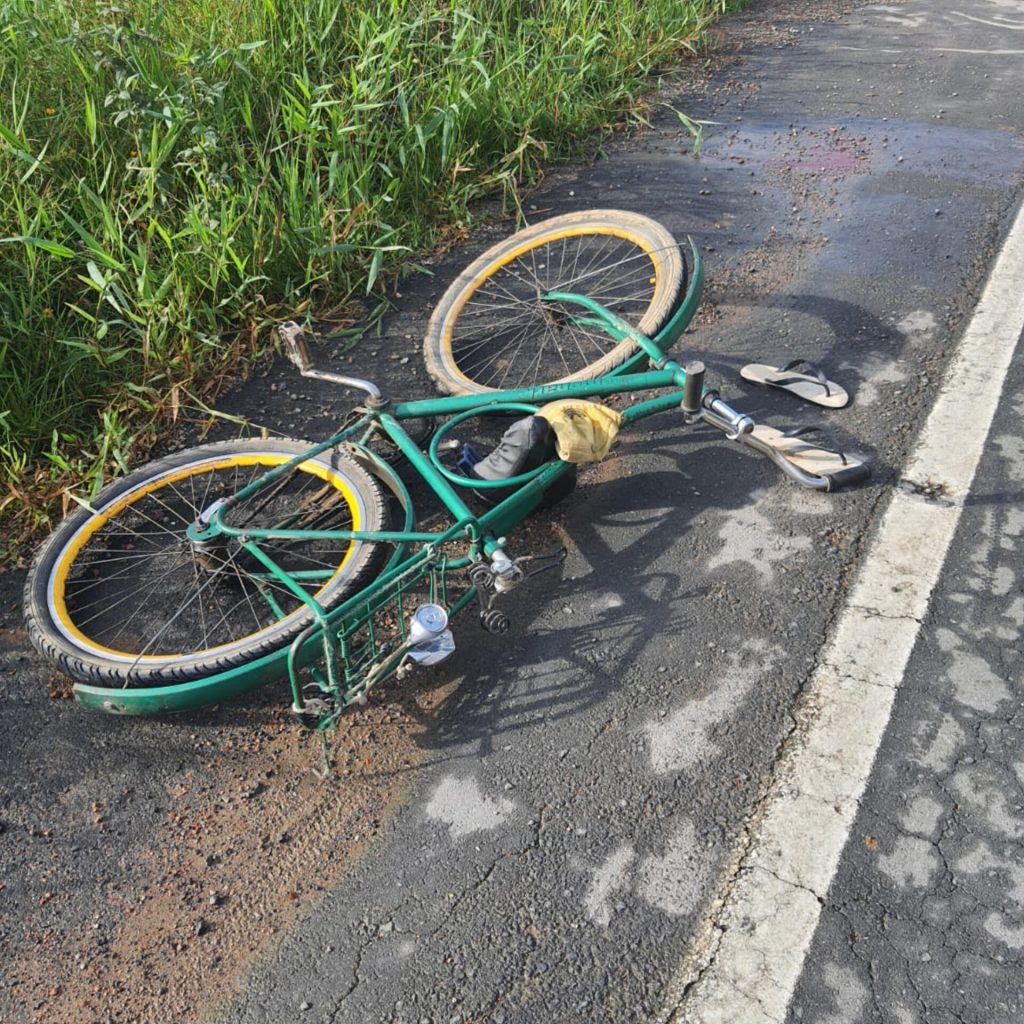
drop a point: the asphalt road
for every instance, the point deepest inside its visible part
(924, 919)
(543, 828)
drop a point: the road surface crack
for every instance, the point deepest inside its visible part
(701, 957)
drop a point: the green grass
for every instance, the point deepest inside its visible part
(176, 177)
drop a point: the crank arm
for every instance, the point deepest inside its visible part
(553, 560)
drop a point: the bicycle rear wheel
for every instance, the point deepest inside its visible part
(492, 329)
(120, 596)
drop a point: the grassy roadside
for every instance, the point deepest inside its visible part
(174, 178)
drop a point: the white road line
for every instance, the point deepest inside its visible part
(934, 49)
(753, 954)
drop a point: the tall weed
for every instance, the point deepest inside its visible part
(173, 178)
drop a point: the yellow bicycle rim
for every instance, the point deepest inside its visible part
(99, 519)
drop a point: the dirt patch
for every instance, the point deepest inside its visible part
(250, 843)
(152, 900)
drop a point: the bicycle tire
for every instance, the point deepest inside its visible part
(134, 531)
(496, 302)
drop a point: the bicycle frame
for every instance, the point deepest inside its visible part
(351, 665)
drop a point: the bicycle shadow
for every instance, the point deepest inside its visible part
(585, 638)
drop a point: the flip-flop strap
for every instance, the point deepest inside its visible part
(810, 429)
(812, 371)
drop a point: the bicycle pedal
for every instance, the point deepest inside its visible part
(551, 560)
(468, 458)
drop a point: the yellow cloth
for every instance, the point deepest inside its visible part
(584, 430)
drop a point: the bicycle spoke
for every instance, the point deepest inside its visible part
(163, 629)
(120, 556)
(529, 306)
(509, 363)
(594, 337)
(174, 568)
(160, 526)
(493, 357)
(202, 611)
(81, 585)
(174, 512)
(579, 348)
(255, 614)
(596, 253)
(561, 354)
(535, 363)
(502, 328)
(237, 572)
(234, 607)
(306, 558)
(506, 317)
(275, 490)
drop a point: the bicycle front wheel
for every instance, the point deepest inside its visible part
(493, 330)
(120, 596)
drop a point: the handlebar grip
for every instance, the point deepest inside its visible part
(848, 475)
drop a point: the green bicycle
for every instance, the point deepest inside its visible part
(218, 569)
